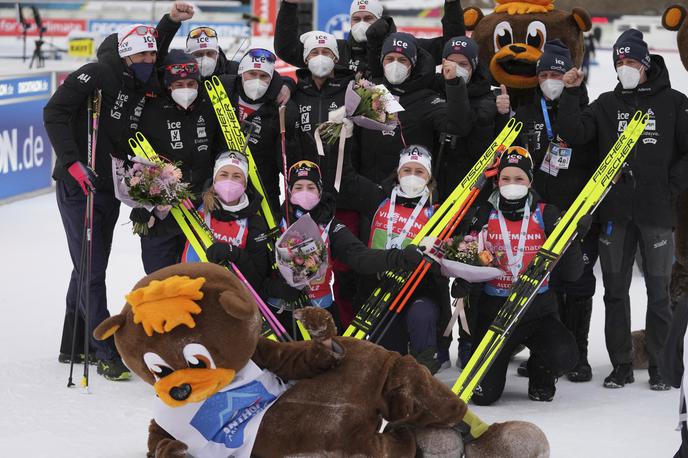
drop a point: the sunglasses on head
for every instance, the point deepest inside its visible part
(182, 70)
(520, 151)
(259, 53)
(207, 31)
(302, 164)
(142, 30)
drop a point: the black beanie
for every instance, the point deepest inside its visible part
(177, 56)
(555, 57)
(517, 156)
(631, 45)
(305, 170)
(462, 45)
(403, 43)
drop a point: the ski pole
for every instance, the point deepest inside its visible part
(282, 121)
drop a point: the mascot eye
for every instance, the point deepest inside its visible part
(537, 34)
(158, 367)
(503, 35)
(198, 357)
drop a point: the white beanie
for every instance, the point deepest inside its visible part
(371, 6)
(319, 39)
(418, 154)
(249, 62)
(201, 43)
(129, 42)
(234, 158)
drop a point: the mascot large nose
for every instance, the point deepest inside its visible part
(517, 49)
(181, 392)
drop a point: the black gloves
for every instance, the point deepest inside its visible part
(409, 258)
(222, 253)
(460, 288)
(287, 293)
(140, 215)
(378, 30)
(583, 226)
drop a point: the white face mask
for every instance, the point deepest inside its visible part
(184, 96)
(320, 66)
(206, 65)
(462, 72)
(513, 191)
(629, 77)
(412, 185)
(358, 31)
(396, 72)
(552, 89)
(255, 88)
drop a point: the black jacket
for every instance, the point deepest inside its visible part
(254, 259)
(265, 143)
(658, 165)
(569, 268)
(354, 55)
(426, 114)
(123, 97)
(459, 156)
(563, 189)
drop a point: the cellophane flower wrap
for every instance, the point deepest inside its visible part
(470, 257)
(367, 105)
(301, 253)
(150, 185)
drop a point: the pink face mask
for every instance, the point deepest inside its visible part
(228, 190)
(305, 199)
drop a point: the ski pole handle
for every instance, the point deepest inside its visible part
(282, 113)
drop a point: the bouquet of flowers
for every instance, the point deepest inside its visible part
(367, 105)
(471, 258)
(302, 253)
(155, 186)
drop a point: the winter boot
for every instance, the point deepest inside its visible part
(465, 352)
(541, 381)
(620, 376)
(657, 382)
(113, 369)
(523, 369)
(428, 358)
(576, 315)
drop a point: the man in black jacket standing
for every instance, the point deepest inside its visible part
(640, 210)
(124, 74)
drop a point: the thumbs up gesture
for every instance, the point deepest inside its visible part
(503, 101)
(574, 77)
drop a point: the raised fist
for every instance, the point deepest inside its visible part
(181, 11)
(574, 78)
(503, 101)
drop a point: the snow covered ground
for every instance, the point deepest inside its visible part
(40, 417)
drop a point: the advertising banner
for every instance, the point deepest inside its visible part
(9, 27)
(332, 17)
(266, 11)
(25, 153)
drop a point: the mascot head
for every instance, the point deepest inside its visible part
(512, 38)
(676, 18)
(187, 330)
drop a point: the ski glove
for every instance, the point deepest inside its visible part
(378, 30)
(222, 253)
(583, 226)
(287, 293)
(83, 175)
(410, 258)
(460, 288)
(140, 215)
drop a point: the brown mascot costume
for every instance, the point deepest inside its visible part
(511, 40)
(676, 18)
(193, 332)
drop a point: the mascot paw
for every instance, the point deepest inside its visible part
(679, 282)
(512, 439)
(170, 448)
(439, 442)
(640, 358)
(317, 321)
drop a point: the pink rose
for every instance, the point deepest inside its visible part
(135, 181)
(299, 260)
(154, 190)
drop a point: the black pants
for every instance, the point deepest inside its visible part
(618, 245)
(552, 353)
(158, 251)
(415, 329)
(71, 203)
(585, 285)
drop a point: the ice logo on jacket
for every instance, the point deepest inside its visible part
(224, 416)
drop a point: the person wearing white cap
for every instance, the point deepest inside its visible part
(202, 43)
(398, 210)
(123, 85)
(230, 209)
(255, 95)
(354, 51)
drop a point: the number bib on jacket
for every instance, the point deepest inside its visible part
(379, 238)
(534, 238)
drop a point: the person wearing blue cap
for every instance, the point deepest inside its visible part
(561, 171)
(639, 211)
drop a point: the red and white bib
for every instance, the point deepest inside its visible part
(394, 226)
